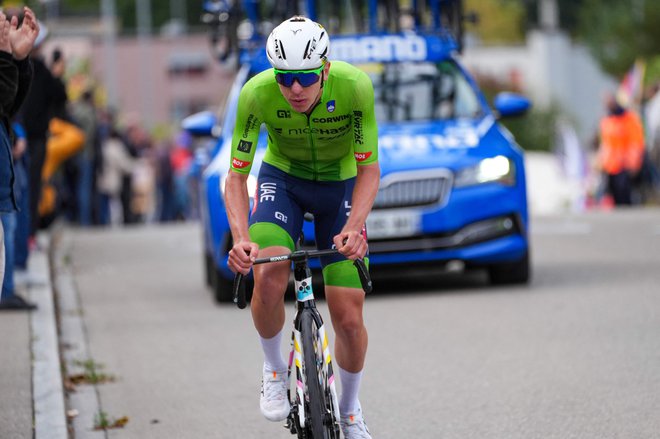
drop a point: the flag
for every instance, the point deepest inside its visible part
(629, 94)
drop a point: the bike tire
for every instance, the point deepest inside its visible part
(316, 406)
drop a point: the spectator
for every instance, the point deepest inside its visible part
(621, 150)
(117, 162)
(164, 183)
(84, 112)
(21, 169)
(16, 42)
(47, 95)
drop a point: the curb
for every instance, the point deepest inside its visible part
(47, 388)
(84, 401)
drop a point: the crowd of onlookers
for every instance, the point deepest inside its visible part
(73, 160)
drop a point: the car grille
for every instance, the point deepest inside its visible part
(414, 189)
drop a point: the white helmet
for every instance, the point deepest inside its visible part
(298, 44)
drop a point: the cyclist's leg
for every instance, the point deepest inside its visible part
(346, 305)
(343, 291)
(275, 219)
(275, 223)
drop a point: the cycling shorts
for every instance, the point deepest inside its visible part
(280, 204)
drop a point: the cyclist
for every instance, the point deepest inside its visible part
(322, 157)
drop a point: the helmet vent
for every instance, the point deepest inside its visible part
(297, 19)
(307, 54)
(283, 54)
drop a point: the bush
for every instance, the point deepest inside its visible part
(534, 131)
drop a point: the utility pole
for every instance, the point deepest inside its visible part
(548, 15)
(143, 13)
(108, 14)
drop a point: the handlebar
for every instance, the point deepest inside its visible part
(299, 256)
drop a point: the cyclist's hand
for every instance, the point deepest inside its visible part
(351, 244)
(241, 256)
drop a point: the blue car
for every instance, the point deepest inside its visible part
(452, 178)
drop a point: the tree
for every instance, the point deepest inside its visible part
(620, 31)
(500, 21)
(160, 11)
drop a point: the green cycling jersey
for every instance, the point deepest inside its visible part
(326, 145)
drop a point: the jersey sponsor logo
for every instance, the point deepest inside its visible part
(331, 119)
(362, 156)
(267, 191)
(239, 164)
(284, 114)
(249, 125)
(280, 216)
(278, 130)
(244, 146)
(383, 49)
(357, 127)
(330, 106)
(321, 131)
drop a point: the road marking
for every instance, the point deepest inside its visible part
(561, 228)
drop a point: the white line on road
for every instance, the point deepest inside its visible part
(560, 228)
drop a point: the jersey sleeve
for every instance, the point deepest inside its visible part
(365, 128)
(246, 131)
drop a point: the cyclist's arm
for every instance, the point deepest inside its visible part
(368, 172)
(364, 193)
(237, 201)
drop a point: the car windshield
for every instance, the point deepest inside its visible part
(422, 91)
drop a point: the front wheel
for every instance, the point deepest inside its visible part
(516, 272)
(320, 422)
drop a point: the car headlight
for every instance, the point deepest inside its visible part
(498, 169)
(251, 185)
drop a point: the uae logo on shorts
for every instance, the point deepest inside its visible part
(330, 106)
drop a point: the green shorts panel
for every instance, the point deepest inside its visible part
(270, 235)
(343, 274)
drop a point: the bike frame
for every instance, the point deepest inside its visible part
(306, 304)
(306, 307)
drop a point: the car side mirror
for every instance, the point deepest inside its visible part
(509, 104)
(202, 124)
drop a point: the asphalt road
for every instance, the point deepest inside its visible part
(573, 355)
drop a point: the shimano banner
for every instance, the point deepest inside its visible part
(390, 48)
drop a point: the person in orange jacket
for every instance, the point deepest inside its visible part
(621, 150)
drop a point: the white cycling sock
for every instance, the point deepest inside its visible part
(350, 386)
(273, 360)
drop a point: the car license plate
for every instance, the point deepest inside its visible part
(392, 224)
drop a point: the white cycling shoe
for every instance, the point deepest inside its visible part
(354, 427)
(274, 403)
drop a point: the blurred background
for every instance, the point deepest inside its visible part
(150, 64)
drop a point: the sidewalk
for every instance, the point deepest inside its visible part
(32, 396)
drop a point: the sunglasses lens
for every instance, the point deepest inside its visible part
(307, 79)
(304, 78)
(286, 79)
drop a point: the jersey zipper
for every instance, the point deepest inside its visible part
(313, 146)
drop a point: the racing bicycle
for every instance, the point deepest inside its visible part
(314, 406)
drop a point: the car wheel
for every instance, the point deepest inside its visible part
(222, 288)
(517, 272)
(208, 269)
